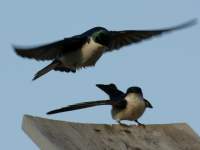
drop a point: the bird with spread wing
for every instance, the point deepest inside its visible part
(84, 50)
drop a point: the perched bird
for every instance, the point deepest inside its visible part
(125, 106)
(84, 50)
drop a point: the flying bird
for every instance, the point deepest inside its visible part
(84, 50)
(125, 106)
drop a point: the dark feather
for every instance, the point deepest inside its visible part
(114, 94)
(64, 69)
(46, 69)
(81, 106)
(52, 50)
(112, 91)
(127, 37)
(44, 52)
(114, 103)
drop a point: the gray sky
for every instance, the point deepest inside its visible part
(167, 67)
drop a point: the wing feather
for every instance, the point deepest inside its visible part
(127, 37)
(52, 50)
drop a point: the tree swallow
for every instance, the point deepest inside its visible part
(125, 106)
(84, 50)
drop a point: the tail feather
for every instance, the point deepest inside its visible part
(46, 69)
(81, 106)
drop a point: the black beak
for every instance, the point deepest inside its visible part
(147, 104)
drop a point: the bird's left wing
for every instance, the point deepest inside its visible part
(127, 37)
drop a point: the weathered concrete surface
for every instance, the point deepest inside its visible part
(60, 135)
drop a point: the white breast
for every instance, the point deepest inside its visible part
(86, 56)
(135, 108)
(91, 52)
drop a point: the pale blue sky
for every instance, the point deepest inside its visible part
(167, 68)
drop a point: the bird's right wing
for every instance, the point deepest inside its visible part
(52, 50)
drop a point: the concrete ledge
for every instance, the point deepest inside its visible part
(59, 135)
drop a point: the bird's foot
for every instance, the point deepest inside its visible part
(140, 124)
(122, 124)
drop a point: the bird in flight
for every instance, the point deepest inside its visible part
(125, 106)
(84, 50)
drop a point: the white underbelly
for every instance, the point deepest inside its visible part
(135, 108)
(86, 56)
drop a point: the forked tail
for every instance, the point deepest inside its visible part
(46, 69)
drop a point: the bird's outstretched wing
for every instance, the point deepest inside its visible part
(127, 37)
(118, 104)
(52, 50)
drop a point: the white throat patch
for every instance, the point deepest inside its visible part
(91, 52)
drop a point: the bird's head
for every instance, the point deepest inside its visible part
(135, 90)
(102, 37)
(138, 91)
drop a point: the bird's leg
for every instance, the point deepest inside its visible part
(122, 124)
(119, 121)
(140, 124)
